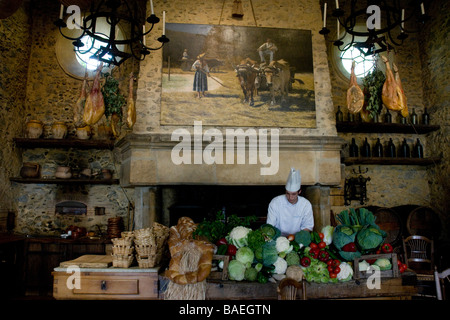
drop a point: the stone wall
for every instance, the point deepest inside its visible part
(14, 52)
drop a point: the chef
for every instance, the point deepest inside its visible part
(290, 212)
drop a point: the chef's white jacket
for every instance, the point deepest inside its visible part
(290, 218)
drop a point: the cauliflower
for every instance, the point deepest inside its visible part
(239, 236)
(363, 265)
(283, 246)
(346, 273)
(327, 234)
(280, 266)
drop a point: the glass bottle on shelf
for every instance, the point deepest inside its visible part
(339, 115)
(401, 119)
(351, 117)
(418, 149)
(404, 151)
(425, 117)
(378, 149)
(365, 149)
(387, 117)
(413, 116)
(390, 150)
(353, 149)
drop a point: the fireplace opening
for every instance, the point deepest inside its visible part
(71, 207)
(200, 202)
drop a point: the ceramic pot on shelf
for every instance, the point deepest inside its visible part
(84, 133)
(35, 128)
(59, 130)
(63, 172)
(30, 170)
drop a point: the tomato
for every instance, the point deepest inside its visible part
(333, 275)
(336, 263)
(322, 244)
(231, 250)
(330, 262)
(337, 270)
(399, 263)
(330, 269)
(321, 236)
(312, 245)
(291, 237)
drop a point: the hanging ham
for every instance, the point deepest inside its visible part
(403, 99)
(78, 108)
(95, 105)
(131, 110)
(355, 96)
(392, 94)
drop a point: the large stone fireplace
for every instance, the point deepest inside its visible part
(147, 165)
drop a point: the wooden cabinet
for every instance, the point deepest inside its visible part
(107, 284)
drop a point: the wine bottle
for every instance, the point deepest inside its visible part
(425, 117)
(339, 115)
(378, 149)
(403, 151)
(365, 149)
(418, 149)
(413, 116)
(390, 150)
(387, 117)
(353, 149)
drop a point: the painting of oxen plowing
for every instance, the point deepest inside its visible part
(237, 76)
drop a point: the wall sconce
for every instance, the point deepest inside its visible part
(355, 188)
(237, 11)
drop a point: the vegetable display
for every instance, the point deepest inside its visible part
(322, 257)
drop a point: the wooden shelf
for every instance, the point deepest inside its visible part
(64, 143)
(65, 181)
(392, 161)
(371, 127)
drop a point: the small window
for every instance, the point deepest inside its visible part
(363, 64)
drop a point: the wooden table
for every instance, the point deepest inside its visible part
(107, 284)
(392, 288)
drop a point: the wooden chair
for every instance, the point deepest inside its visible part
(419, 256)
(439, 279)
(288, 287)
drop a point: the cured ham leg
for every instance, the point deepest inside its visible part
(355, 96)
(78, 108)
(131, 110)
(403, 99)
(392, 93)
(95, 105)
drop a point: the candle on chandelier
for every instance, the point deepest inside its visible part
(151, 6)
(337, 4)
(403, 20)
(61, 12)
(338, 31)
(422, 9)
(143, 35)
(325, 15)
(164, 23)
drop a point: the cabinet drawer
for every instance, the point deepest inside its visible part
(108, 286)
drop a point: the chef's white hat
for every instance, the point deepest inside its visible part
(294, 181)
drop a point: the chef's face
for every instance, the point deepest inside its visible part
(292, 196)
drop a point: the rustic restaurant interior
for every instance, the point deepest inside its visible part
(88, 176)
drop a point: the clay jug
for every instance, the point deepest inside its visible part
(59, 130)
(84, 133)
(30, 170)
(35, 128)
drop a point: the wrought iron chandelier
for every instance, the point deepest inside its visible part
(382, 20)
(106, 46)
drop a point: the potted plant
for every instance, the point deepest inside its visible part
(114, 102)
(373, 85)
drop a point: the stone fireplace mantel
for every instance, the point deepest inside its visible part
(146, 161)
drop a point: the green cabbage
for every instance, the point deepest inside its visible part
(343, 235)
(269, 253)
(303, 237)
(236, 270)
(255, 239)
(270, 231)
(384, 264)
(370, 237)
(250, 274)
(292, 258)
(245, 255)
(349, 256)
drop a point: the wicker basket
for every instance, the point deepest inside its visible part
(145, 250)
(122, 261)
(142, 233)
(122, 241)
(146, 262)
(127, 234)
(122, 250)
